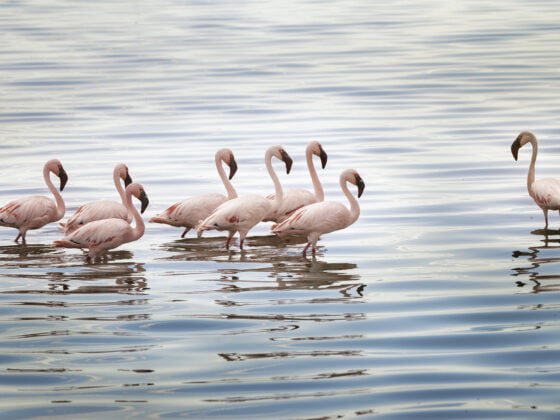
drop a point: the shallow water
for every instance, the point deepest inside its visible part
(441, 301)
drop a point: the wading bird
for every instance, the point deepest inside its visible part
(545, 191)
(242, 213)
(104, 209)
(101, 235)
(190, 212)
(36, 211)
(317, 219)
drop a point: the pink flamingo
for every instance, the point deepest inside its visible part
(241, 214)
(36, 211)
(188, 213)
(317, 219)
(104, 209)
(294, 199)
(101, 235)
(546, 191)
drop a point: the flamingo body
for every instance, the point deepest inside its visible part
(294, 199)
(241, 214)
(102, 235)
(104, 209)
(238, 215)
(36, 211)
(324, 217)
(191, 211)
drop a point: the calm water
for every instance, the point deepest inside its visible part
(442, 301)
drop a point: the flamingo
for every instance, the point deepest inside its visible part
(36, 211)
(546, 191)
(188, 213)
(241, 214)
(317, 219)
(296, 198)
(104, 209)
(101, 235)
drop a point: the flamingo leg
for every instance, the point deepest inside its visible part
(17, 238)
(545, 211)
(304, 253)
(228, 240)
(185, 232)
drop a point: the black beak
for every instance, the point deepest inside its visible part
(515, 146)
(360, 184)
(232, 167)
(144, 200)
(63, 177)
(323, 156)
(127, 180)
(287, 160)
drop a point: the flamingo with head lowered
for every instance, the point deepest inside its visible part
(545, 191)
(317, 219)
(104, 209)
(188, 213)
(101, 235)
(294, 199)
(36, 211)
(241, 214)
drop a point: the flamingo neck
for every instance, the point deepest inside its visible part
(119, 187)
(139, 228)
(231, 193)
(354, 206)
(531, 173)
(278, 192)
(317, 187)
(60, 207)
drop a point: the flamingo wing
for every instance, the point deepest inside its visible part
(103, 234)
(31, 212)
(191, 211)
(238, 213)
(97, 210)
(323, 217)
(546, 193)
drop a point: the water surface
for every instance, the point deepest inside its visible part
(440, 302)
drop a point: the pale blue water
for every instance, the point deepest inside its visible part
(441, 301)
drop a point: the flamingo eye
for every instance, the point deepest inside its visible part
(216, 225)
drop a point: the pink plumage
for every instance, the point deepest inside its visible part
(102, 235)
(103, 209)
(294, 199)
(188, 213)
(36, 211)
(241, 214)
(324, 217)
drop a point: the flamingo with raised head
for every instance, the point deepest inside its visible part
(104, 209)
(36, 211)
(294, 199)
(241, 214)
(317, 219)
(101, 235)
(545, 191)
(188, 213)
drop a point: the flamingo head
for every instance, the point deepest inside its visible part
(316, 148)
(138, 191)
(353, 177)
(522, 139)
(226, 155)
(122, 170)
(56, 168)
(285, 157)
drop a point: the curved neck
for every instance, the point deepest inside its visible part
(231, 193)
(354, 206)
(138, 229)
(531, 173)
(317, 187)
(278, 192)
(60, 207)
(119, 187)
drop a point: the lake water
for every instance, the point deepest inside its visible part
(441, 301)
